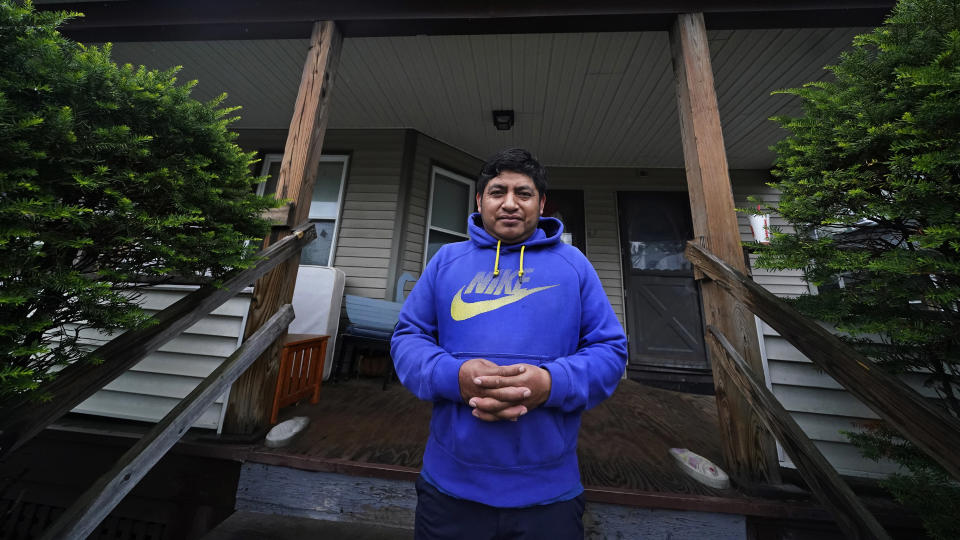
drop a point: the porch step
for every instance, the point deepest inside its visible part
(243, 525)
(350, 501)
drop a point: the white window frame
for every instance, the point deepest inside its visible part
(471, 202)
(270, 159)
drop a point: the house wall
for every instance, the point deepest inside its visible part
(370, 204)
(151, 388)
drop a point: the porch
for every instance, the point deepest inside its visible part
(408, 118)
(409, 113)
(360, 455)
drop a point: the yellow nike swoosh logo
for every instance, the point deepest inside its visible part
(461, 310)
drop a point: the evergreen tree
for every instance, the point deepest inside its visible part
(109, 175)
(870, 180)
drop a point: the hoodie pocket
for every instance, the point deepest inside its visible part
(539, 437)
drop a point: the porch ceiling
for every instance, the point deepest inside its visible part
(581, 99)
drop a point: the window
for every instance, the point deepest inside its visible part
(451, 201)
(324, 205)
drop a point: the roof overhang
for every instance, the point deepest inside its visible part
(188, 20)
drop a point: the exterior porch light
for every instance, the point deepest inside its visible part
(503, 120)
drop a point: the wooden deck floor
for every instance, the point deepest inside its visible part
(360, 430)
(623, 443)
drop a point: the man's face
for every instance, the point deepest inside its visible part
(510, 207)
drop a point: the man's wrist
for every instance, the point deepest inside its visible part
(464, 382)
(559, 385)
(544, 385)
(446, 377)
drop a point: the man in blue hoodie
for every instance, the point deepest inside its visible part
(511, 336)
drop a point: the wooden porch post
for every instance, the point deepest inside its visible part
(250, 396)
(748, 449)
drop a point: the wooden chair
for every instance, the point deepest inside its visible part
(301, 371)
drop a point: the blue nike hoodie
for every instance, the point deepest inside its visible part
(538, 302)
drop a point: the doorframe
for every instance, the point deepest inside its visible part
(700, 384)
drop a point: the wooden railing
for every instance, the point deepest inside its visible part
(19, 422)
(80, 520)
(933, 430)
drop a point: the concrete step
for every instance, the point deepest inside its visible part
(244, 525)
(392, 503)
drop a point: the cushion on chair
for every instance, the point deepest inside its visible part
(370, 333)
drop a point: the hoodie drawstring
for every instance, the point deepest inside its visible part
(496, 262)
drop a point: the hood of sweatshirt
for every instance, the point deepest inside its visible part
(548, 232)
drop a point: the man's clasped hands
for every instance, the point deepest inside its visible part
(502, 392)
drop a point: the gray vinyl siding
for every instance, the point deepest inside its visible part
(369, 209)
(821, 406)
(151, 388)
(603, 245)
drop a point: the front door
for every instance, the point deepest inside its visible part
(664, 317)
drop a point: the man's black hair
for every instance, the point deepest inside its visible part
(515, 160)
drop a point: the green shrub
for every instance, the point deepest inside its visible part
(870, 179)
(109, 175)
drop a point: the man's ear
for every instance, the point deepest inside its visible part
(478, 201)
(543, 200)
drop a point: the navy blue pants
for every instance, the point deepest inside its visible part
(442, 517)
